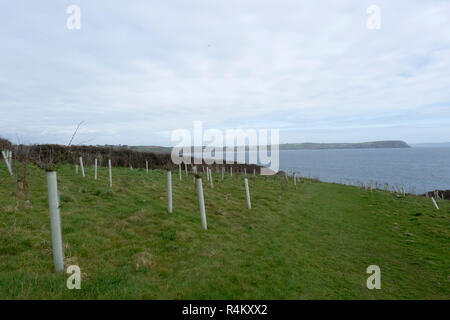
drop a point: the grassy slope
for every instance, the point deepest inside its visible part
(313, 242)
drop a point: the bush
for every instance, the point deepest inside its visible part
(49, 156)
(5, 144)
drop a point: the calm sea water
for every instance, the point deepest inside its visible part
(418, 169)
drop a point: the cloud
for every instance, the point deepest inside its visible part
(135, 72)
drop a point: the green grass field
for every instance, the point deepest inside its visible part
(310, 242)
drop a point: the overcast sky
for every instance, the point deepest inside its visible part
(136, 70)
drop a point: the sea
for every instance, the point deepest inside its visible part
(417, 169)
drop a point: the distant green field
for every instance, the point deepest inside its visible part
(154, 149)
(310, 242)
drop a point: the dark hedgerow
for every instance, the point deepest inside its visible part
(49, 156)
(5, 144)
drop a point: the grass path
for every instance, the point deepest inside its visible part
(310, 242)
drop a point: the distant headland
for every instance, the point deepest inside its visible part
(359, 145)
(304, 146)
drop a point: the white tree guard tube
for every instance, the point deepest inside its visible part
(207, 173)
(231, 171)
(223, 172)
(110, 173)
(95, 169)
(6, 157)
(146, 165)
(185, 169)
(254, 172)
(295, 179)
(9, 154)
(169, 191)
(201, 202)
(247, 194)
(55, 221)
(179, 170)
(210, 179)
(7, 162)
(245, 172)
(81, 166)
(435, 204)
